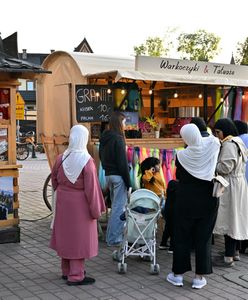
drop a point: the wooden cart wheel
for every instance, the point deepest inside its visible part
(47, 192)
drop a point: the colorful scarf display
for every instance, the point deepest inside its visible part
(136, 155)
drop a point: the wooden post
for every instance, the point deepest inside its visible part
(9, 173)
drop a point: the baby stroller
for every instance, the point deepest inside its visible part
(141, 215)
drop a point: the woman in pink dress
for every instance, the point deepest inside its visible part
(79, 203)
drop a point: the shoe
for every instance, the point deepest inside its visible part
(198, 283)
(175, 280)
(85, 281)
(161, 247)
(219, 262)
(65, 277)
(116, 255)
(236, 257)
(170, 251)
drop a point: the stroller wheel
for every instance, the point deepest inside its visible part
(122, 268)
(154, 269)
(116, 255)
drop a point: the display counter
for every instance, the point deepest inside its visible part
(149, 144)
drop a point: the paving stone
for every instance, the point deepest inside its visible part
(31, 270)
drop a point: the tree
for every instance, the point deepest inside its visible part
(200, 45)
(241, 56)
(153, 46)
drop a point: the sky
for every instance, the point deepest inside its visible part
(114, 27)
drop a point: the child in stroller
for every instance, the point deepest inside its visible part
(152, 180)
(139, 239)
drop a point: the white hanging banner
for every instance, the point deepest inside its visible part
(197, 71)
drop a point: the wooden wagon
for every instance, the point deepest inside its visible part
(80, 90)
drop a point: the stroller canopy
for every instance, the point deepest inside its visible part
(144, 198)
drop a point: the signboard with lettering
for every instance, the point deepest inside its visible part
(20, 105)
(192, 71)
(94, 103)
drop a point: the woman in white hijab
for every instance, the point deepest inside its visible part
(195, 209)
(78, 206)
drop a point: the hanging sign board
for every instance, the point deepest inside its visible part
(20, 104)
(94, 103)
(192, 71)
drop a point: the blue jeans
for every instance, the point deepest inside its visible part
(118, 196)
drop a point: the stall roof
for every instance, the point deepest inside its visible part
(90, 63)
(145, 68)
(117, 75)
(183, 71)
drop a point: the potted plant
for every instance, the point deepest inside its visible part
(149, 125)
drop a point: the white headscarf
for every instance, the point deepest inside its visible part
(200, 157)
(76, 155)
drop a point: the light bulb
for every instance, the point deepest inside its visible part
(97, 94)
(221, 99)
(200, 96)
(150, 92)
(109, 91)
(175, 95)
(122, 91)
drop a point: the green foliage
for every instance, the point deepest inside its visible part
(153, 46)
(201, 45)
(242, 53)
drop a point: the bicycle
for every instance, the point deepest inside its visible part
(48, 192)
(23, 145)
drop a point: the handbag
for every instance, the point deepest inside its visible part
(220, 184)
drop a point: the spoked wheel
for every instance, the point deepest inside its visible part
(48, 192)
(22, 152)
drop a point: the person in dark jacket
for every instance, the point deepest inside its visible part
(195, 209)
(200, 123)
(113, 156)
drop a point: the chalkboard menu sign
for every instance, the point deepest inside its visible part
(94, 103)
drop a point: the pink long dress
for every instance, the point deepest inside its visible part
(78, 205)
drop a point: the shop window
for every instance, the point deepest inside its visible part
(4, 104)
(30, 85)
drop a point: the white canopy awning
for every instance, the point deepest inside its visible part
(149, 68)
(117, 75)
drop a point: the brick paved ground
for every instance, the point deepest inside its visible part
(30, 270)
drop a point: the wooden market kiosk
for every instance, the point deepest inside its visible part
(11, 69)
(80, 90)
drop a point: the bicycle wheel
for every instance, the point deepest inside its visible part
(47, 192)
(22, 152)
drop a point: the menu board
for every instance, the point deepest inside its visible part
(94, 103)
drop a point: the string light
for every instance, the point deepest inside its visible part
(109, 91)
(175, 95)
(200, 96)
(243, 95)
(123, 91)
(150, 92)
(97, 94)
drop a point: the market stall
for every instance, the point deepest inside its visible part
(154, 93)
(11, 69)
